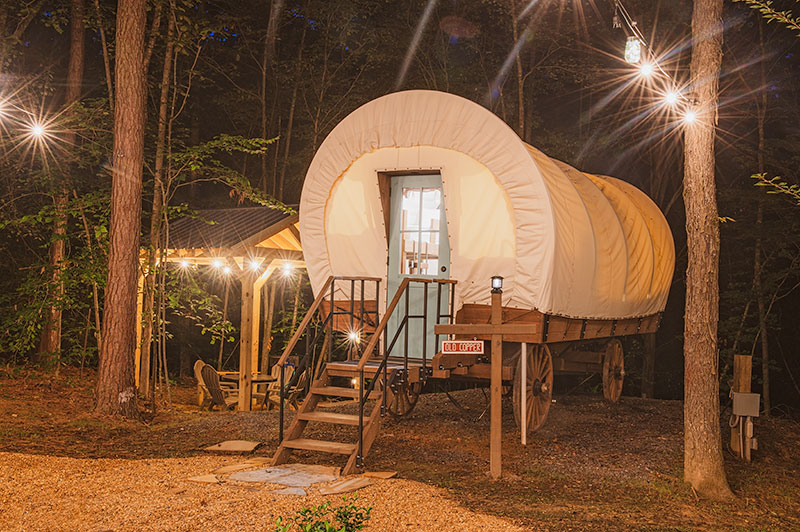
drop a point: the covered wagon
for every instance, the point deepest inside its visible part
(410, 206)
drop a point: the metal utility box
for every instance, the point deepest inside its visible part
(746, 404)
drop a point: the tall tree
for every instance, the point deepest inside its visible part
(156, 217)
(703, 462)
(116, 391)
(50, 339)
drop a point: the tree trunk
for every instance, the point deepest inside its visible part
(155, 218)
(106, 59)
(293, 103)
(50, 339)
(266, 63)
(703, 462)
(520, 79)
(116, 390)
(761, 115)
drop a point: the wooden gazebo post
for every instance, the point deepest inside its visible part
(252, 282)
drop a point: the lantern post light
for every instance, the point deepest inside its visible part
(497, 284)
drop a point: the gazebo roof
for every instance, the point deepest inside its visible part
(234, 229)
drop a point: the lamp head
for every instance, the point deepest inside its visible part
(497, 284)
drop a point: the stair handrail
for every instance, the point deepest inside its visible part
(367, 353)
(306, 320)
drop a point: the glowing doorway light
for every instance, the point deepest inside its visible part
(633, 50)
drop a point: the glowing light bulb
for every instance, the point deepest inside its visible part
(226, 270)
(287, 269)
(690, 117)
(671, 98)
(255, 265)
(353, 336)
(37, 130)
(646, 70)
(184, 264)
(217, 263)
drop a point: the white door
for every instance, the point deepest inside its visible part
(419, 248)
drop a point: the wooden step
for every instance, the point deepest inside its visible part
(321, 445)
(337, 391)
(331, 417)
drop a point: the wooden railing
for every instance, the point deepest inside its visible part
(388, 346)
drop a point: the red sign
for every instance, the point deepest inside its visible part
(462, 347)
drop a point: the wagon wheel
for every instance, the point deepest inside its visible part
(613, 371)
(538, 389)
(405, 398)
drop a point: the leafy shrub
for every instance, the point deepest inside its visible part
(323, 518)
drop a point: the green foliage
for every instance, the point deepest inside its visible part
(204, 162)
(188, 298)
(323, 518)
(771, 14)
(778, 186)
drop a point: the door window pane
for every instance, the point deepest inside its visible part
(421, 211)
(409, 257)
(431, 210)
(429, 253)
(410, 209)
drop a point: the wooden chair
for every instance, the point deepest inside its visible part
(296, 392)
(203, 396)
(273, 395)
(225, 400)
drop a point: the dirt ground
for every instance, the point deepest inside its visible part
(593, 466)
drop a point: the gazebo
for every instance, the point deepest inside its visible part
(249, 243)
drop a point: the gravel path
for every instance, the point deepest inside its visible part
(46, 493)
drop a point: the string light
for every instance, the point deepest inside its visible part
(287, 269)
(255, 265)
(633, 50)
(635, 47)
(184, 264)
(646, 69)
(226, 270)
(217, 263)
(37, 130)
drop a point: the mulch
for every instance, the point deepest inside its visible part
(592, 466)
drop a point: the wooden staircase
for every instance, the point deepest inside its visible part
(375, 374)
(309, 412)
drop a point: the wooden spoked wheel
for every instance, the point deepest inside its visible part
(538, 389)
(613, 371)
(405, 399)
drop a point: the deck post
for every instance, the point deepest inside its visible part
(496, 422)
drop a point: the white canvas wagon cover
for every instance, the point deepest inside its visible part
(566, 242)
